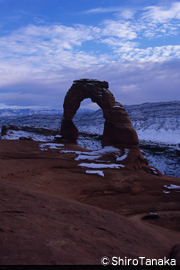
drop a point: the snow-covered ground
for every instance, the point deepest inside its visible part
(167, 163)
(165, 159)
(90, 156)
(16, 134)
(157, 126)
(156, 122)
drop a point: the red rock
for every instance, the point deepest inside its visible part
(25, 138)
(117, 128)
(54, 213)
(175, 253)
(68, 130)
(4, 130)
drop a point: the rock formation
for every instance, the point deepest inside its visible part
(4, 130)
(118, 129)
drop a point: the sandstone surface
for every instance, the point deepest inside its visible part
(54, 213)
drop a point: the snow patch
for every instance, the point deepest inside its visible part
(101, 166)
(95, 172)
(57, 136)
(16, 134)
(153, 170)
(72, 151)
(98, 153)
(124, 156)
(88, 157)
(44, 146)
(105, 150)
(94, 154)
(172, 186)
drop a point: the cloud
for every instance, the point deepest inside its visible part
(39, 62)
(103, 10)
(120, 29)
(39, 19)
(127, 14)
(137, 82)
(119, 11)
(162, 14)
(131, 83)
(46, 47)
(18, 99)
(159, 53)
(58, 46)
(130, 88)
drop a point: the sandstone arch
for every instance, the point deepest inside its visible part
(118, 129)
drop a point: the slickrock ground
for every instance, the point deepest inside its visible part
(53, 212)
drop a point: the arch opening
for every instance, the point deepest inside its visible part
(88, 106)
(90, 125)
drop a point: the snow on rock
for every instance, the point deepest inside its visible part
(95, 154)
(153, 170)
(154, 123)
(106, 150)
(101, 165)
(44, 146)
(172, 186)
(124, 156)
(88, 157)
(16, 134)
(95, 172)
(71, 151)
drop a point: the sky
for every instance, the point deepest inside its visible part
(46, 44)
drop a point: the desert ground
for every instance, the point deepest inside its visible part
(54, 213)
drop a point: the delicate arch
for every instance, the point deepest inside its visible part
(118, 129)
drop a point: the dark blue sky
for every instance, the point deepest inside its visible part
(46, 44)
